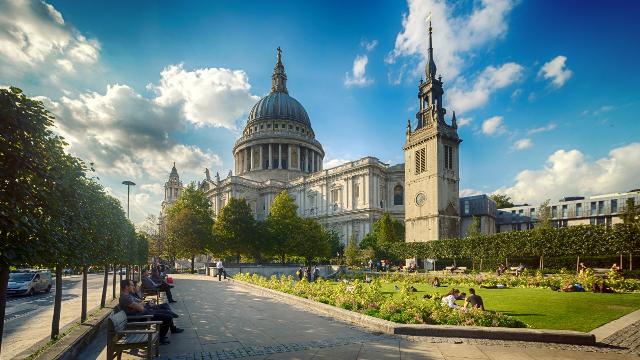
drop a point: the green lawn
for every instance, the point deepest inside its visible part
(546, 309)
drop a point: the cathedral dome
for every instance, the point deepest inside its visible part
(279, 106)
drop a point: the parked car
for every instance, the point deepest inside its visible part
(29, 282)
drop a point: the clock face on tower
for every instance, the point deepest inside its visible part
(420, 199)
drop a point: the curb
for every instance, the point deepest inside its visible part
(614, 326)
(70, 346)
(388, 327)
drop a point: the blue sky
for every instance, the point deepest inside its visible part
(547, 92)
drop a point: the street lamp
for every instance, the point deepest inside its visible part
(129, 184)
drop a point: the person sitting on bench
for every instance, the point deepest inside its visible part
(148, 283)
(131, 306)
(151, 304)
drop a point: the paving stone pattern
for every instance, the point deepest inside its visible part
(627, 338)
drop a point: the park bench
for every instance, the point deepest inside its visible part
(456, 270)
(600, 271)
(151, 292)
(123, 334)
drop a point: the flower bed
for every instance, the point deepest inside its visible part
(367, 298)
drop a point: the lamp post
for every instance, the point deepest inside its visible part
(129, 184)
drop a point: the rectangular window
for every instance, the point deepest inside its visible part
(421, 160)
(614, 206)
(593, 208)
(532, 213)
(565, 212)
(275, 126)
(600, 207)
(592, 221)
(578, 209)
(448, 157)
(521, 212)
(554, 212)
(466, 207)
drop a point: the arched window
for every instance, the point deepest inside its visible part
(398, 195)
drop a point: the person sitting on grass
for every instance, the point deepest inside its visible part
(450, 298)
(576, 287)
(436, 282)
(474, 300)
(601, 287)
(461, 296)
(496, 286)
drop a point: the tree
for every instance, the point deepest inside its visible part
(473, 230)
(312, 241)
(352, 253)
(190, 223)
(282, 224)
(631, 214)
(502, 201)
(544, 215)
(235, 230)
(336, 245)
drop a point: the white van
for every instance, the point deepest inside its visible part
(29, 282)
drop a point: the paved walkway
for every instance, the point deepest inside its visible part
(224, 321)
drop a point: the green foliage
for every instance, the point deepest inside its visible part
(544, 215)
(474, 228)
(369, 298)
(336, 246)
(235, 230)
(570, 241)
(502, 201)
(631, 214)
(189, 224)
(352, 253)
(283, 224)
(312, 241)
(385, 233)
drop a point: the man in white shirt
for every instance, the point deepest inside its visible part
(221, 271)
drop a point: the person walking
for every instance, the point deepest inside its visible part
(316, 273)
(221, 271)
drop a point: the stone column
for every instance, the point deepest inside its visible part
(313, 161)
(299, 157)
(250, 158)
(307, 162)
(270, 166)
(289, 156)
(261, 158)
(279, 156)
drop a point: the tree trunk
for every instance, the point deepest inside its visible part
(126, 273)
(620, 261)
(480, 264)
(238, 258)
(83, 308)
(630, 261)
(120, 271)
(282, 258)
(114, 281)
(578, 265)
(4, 279)
(193, 264)
(57, 304)
(105, 285)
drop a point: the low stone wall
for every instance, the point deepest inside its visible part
(268, 271)
(373, 323)
(79, 338)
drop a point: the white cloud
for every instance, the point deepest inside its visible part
(152, 188)
(211, 96)
(556, 71)
(358, 77)
(34, 37)
(125, 134)
(455, 35)
(522, 144)
(493, 126)
(570, 172)
(464, 121)
(369, 45)
(490, 80)
(328, 164)
(549, 127)
(470, 192)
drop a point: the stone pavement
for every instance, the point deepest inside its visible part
(223, 321)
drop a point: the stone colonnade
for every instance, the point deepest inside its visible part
(278, 156)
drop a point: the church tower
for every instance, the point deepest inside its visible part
(431, 165)
(172, 190)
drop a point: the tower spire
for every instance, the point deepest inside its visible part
(279, 77)
(431, 65)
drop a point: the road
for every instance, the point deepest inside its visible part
(28, 319)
